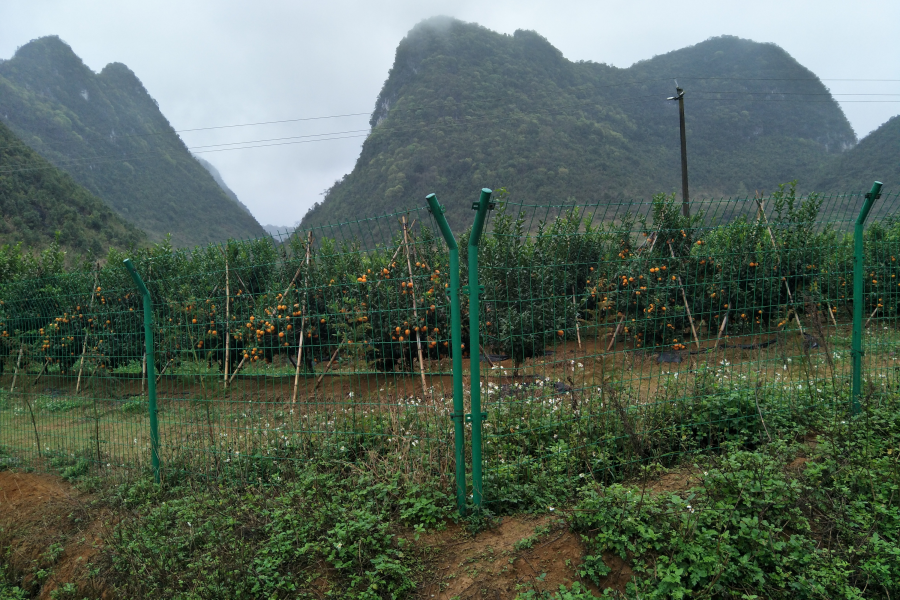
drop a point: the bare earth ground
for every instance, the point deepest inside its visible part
(38, 511)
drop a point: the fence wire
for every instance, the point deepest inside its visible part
(330, 343)
(610, 336)
(617, 335)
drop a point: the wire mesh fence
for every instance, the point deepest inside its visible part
(616, 335)
(330, 341)
(607, 336)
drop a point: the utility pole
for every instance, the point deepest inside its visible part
(679, 95)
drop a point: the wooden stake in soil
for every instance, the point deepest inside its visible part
(485, 355)
(37, 438)
(686, 307)
(787, 286)
(328, 366)
(615, 334)
(831, 314)
(870, 317)
(721, 330)
(396, 252)
(16, 372)
(163, 370)
(87, 332)
(302, 322)
(236, 369)
(415, 314)
(577, 332)
(43, 368)
(227, 325)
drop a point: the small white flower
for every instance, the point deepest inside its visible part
(550, 508)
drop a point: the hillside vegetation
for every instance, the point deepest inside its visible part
(38, 200)
(464, 107)
(221, 181)
(106, 131)
(875, 158)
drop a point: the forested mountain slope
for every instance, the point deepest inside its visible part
(876, 157)
(218, 179)
(106, 131)
(464, 107)
(37, 200)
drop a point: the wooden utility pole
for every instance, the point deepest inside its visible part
(685, 199)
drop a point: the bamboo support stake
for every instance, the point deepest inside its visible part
(16, 372)
(227, 325)
(831, 313)
(415, 313)
(870, 317)
(686, 307)
(87, 333)
(655, 237)
(577, 332)
(787, 286)
(485, 355)
(328, 366)
(615, 334)
(41, 372)
(302, 323)
(396, 252)
(237, 368)
(721, 331)
(163, 370)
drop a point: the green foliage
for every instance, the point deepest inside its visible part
(754, 529)
(43, 208)
(9, 591)
(86, 123)
(577, 592)
(325, 530)
(465, 107)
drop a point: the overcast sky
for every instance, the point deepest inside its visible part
(224, 62)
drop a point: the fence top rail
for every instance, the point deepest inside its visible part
(838, 211)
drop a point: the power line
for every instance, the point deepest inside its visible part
(109, 159)
(270, 122)
(293, 140)
(609, 86)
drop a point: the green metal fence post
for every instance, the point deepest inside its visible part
(151, 368)
(482, 206)
(455, 340)
(858, 274)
